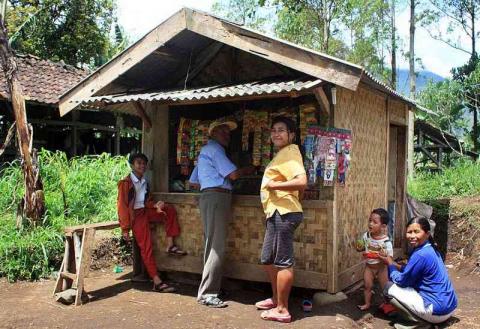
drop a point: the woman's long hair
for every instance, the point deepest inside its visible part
(425, 225)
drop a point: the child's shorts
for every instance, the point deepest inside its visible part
(278, 243)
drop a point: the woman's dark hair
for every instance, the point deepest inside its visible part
(133, 157)
(384, 217)
(291, 126)
(425, 226)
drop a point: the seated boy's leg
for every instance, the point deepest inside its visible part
(368, 278)
(168, 217)
(141, 232)
(172, 229)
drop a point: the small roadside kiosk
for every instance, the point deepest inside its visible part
(194, 68)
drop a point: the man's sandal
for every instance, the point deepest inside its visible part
(271, 315)
(213, 302)
(176, 251)
(163, 288)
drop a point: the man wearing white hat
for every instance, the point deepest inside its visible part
(214, 173)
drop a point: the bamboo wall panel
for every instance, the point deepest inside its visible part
(246, 233)
(363, 112)
(398, 112)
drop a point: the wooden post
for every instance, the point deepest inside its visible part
(74, 133)
(118, 128)
(160, 164)
(155, 145)
(84, 264)
(33, 200)
(77, 247)
(410, 148)
(387, 147)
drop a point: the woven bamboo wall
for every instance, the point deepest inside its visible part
(246, 232)
(363, 112)
(398, 112)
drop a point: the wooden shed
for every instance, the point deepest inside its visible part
(195, 67)
(81, 132)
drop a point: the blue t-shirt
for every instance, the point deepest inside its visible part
(213, 167)
(426, 273)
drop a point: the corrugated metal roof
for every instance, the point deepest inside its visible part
(208, 93)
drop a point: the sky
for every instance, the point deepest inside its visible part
(140, 16)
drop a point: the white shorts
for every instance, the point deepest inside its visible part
(412, 300)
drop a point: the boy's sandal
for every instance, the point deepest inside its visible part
(174, 250)
(163, 288)
(213, 302)
(265, 304)
(271, 315)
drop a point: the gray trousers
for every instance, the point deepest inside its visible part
(215, 211)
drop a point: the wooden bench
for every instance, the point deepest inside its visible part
(77, 256)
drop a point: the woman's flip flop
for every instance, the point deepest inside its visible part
(265, 304)
(270, 315)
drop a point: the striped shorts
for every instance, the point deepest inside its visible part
(278, 242)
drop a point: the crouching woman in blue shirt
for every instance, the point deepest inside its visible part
(420, 290)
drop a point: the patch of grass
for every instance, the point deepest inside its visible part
(463, 179)
(79, 190)
(28, 254)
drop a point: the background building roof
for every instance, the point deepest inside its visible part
(43, 81)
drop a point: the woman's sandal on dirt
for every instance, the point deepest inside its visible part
(266, 304)
(163, 288)
(271, 315)
(176, 251)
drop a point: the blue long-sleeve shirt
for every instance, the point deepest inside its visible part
(426, 273)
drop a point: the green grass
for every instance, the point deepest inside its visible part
(461, 180)
(79, 190)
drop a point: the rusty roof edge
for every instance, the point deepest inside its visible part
(395, 93)
(260, 87)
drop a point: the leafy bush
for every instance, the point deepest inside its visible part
(78, 190)
(463, 179)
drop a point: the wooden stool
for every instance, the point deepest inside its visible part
(76, 258)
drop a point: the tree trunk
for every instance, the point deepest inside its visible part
(412, 78)
(394, 47)
(474, 35)
(33, 201)
(411, 59)
(475, 130)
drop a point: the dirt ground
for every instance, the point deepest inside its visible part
(117, 303)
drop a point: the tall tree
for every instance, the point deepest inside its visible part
(319, 18)
(355, 30)
(75, 31)
(360, 31)
(412, 81)
(393, 39)
(245, 12)
(462, 17)
(33, 203)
